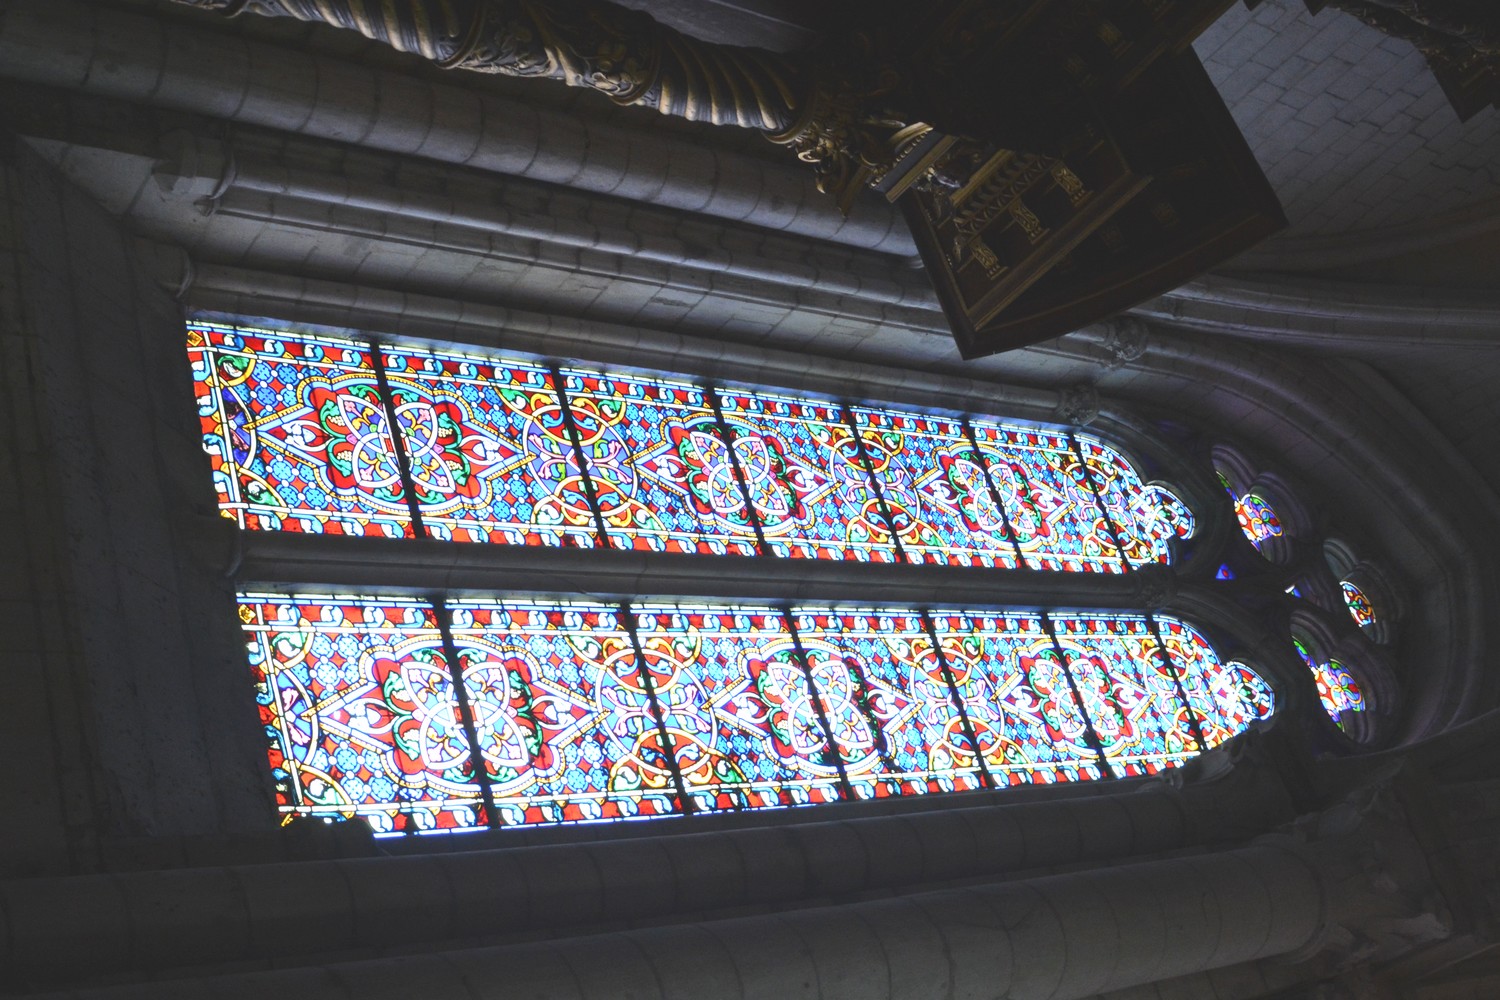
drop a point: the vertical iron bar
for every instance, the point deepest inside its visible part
(989, 480)
(726, 433)
(398, 440)
(439, 603)
(817, 703)
(958, 700)
(627, 616)
(1088, 723)
(576, 438)
(465, 711)
(847, 414)
(1115, 537)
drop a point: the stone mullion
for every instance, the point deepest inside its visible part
(989, 481)
(1115, 537)
(864, 457)
(627, 617)
(726, 433)
(958, 701)
(1096, 744)
(576, 439)
(398, 440)
(465, 711)
(817, 703)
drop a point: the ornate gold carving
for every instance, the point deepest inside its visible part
(1070, 183)
(1027, 220)
(985, 258)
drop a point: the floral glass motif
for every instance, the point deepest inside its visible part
(660, 469)
(1017, 698)
(935, 489)
(358, 706)
(296, 433)
(1146, 517)
(805, 478)
(1358, 603)
(1224, 698)
(1338, 691)
(1052, 511)
(737, 706)
(561, 713)
(1257, 519)
(1129, 691)
(882, 689)
(489, 452)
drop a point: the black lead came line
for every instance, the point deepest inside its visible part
(439, 602)
(831, 744)
(963, 713)
(632, 627)
(847, 414)
(726, 433)
(576, 438)
(1194, 723)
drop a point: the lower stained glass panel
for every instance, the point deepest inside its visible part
(362, 720)
(562, 715)
(1017, 698)
(891, 711)
(359, 710)
(1128, 689)
(737, 706)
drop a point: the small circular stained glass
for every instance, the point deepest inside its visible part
(1338, 691)
(1257, 519)
(1359, 605)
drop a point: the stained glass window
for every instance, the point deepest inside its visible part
(660, 468)
(359, 711)
(296, 432)
(805, 477)
(935, 489)
(892, 712)
(1017, 698)
(297, 427)
(1338, 691)
(1224, 698)
(561, 712)
(1146, 517)
(1050, 505)
(1257, 519)
(1358, 603)
(746, 707)
(1129, 691)
(489, 454)
(738, 706)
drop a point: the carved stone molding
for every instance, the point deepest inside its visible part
(1126, 338)
(1079, 405)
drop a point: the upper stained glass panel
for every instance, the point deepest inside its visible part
(561, 712)
(1051, 507)
(358, 706)
(296, 432)
(935, 489)
(891, 711)
(1016, 697)
(490, 456)
(660, 469)
(737, 706)
(805, 477)
(1146, 517)
(1129, 690)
